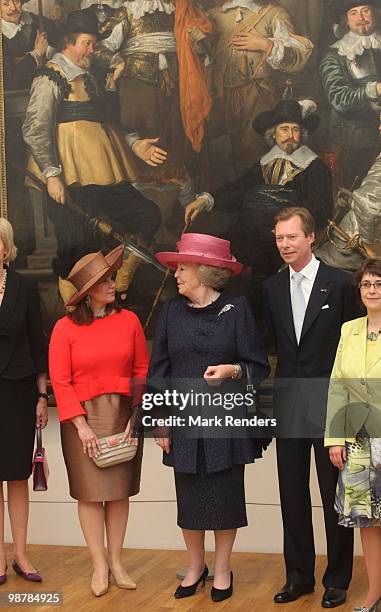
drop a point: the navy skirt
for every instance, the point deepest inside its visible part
(18, 400)
(211, 500)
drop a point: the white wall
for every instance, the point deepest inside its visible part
(53, 515)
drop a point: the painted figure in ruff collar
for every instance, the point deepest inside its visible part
(77, 151)
(256, 43)
(24, 46)
(163, 91)
(351, 75)
(289, 174)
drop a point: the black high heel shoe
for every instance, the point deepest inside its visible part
(221, 594)
(187, 591)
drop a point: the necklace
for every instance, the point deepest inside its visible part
(372, 336)
(101, 316)
(2, 286)
(214, 298)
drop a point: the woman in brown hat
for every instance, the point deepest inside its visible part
(98, 363)
(204, 338)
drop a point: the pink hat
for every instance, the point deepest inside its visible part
(201, 249)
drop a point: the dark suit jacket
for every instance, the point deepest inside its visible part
(303, 371)
(22, 343)
(311, 188)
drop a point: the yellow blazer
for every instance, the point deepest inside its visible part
(354, 396)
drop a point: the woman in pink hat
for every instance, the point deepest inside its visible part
(98, 363)
(205, 337)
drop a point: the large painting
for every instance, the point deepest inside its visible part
(132, 121)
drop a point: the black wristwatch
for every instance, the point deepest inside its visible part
(44, 395)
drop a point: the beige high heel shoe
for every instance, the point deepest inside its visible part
(98, 588)
(375, 608)
(123, 581)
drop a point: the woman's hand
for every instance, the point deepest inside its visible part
(164, 443)
(214, 375)
(338, 456)
(130, 434)
(90, 442)
(42, 413)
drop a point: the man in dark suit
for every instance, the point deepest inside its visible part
(306, 305)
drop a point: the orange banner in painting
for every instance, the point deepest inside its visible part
(195, 100)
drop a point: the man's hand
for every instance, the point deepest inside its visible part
(147, 150)
(194, 209)
(196, 34)
(252, 41)
(338, 456)
(119, 70)
(56, 189)
(378, 87)
(41, 43)
(113, 77)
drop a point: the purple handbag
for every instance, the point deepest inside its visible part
(40, 465)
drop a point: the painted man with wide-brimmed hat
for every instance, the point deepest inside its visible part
(290, 173)
(351, 75)
(78, 152)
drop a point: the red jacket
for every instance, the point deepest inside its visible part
(108, 356)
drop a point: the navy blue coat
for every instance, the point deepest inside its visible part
(188, 340)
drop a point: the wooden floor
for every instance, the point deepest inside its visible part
(256, 578)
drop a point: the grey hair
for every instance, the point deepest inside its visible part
(6, 237)
(270, 135)
(211, 276)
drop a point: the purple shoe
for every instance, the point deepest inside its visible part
(31, 576)
(3, 577)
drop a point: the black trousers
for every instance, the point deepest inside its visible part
(121, 205)
(294, 460)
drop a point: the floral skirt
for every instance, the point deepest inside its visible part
(358, 494)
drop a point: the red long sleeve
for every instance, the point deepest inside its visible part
(108, 356)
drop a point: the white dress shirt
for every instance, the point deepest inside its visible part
(309, 272)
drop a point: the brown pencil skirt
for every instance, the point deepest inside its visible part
(106, 415)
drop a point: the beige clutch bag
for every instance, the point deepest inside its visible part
(114, 451)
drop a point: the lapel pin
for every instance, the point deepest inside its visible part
(323, 290)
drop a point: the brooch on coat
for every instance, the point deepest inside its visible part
(225, 309)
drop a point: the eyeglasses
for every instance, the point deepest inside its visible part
(366, 285)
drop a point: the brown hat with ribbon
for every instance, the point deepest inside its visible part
(91, 269)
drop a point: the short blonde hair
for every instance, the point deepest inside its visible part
(212, 276)
(6, 237)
